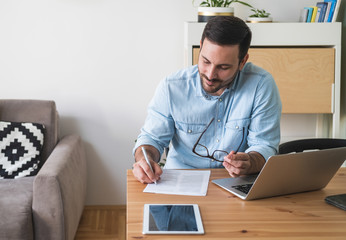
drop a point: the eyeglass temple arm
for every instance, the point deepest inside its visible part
(197, 142)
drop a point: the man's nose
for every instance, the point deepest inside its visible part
(211, 72)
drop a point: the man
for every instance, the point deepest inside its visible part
(223, 112)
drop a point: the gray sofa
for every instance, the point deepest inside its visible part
(48, 205)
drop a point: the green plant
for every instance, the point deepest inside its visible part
(220, 3)
(259, 13)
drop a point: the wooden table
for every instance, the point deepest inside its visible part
(224, 216)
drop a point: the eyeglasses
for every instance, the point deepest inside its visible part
(217, 155)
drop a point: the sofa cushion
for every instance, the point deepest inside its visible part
(16, 208)
(37, 111)
(20, 149)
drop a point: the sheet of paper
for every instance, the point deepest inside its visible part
(181, 182)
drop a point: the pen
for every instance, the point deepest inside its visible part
(146, 159)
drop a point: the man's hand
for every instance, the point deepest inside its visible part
(238, 164)
(141, 169)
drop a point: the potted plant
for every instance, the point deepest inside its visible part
(212, 8)
(259, 16)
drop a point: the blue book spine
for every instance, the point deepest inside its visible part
(323, 7)
(309, 14)
(332, 8)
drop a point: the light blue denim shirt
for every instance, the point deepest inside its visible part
(180, 111)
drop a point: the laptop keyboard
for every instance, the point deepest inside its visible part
(245, 188)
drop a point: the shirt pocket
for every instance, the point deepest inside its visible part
(187, 134)
(238, 125)
(189, 128)
(236, 134)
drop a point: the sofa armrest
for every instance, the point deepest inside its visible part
(59, 191)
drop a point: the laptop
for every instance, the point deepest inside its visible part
(287, 174)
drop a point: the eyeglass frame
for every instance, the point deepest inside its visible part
(212, 155)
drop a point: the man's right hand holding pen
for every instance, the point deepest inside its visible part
(141, 169)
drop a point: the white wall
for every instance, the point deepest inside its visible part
(100, 60)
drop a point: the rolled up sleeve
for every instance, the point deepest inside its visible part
(264, 130)
(158, 128)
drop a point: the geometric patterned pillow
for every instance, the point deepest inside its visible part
(20, 149)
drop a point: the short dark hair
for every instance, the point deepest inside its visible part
(228, 30)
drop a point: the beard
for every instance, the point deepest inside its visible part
(213, 86)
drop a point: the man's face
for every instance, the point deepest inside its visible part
(218, 66)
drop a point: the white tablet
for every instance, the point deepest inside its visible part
(172, 219)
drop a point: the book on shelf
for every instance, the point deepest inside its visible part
(309, 15)
(336, 10)
(327, 12)
(331, 11)
(323, 8)
(314, 13)
(318, 13)
(303, 15)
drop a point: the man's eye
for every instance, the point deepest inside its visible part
(224, 68)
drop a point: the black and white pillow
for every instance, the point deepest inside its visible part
(20, 149)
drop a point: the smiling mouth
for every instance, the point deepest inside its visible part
(211, 82)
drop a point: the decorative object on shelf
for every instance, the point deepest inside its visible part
(259, 16)
(212, 8)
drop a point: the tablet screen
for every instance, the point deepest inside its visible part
(172, 219)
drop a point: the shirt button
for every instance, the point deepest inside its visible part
(220, 99)
(237, 127)
(217, 140)
(189, 131)
(219, 120)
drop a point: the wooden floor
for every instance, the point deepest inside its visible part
(102, 222)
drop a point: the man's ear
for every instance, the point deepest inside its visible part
(242, 62)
